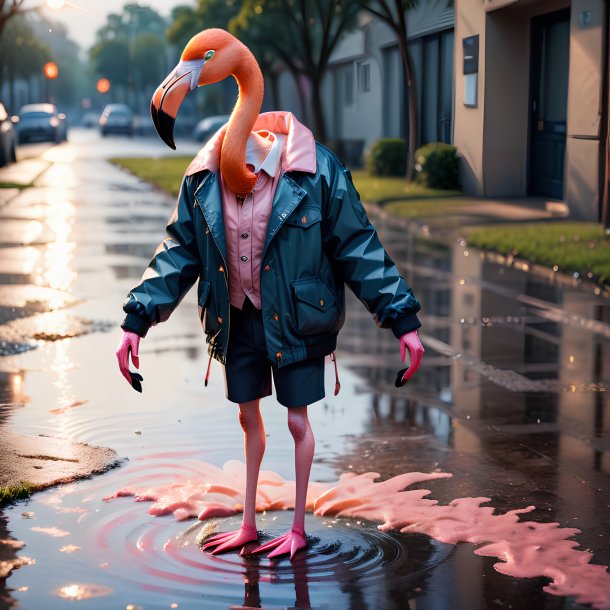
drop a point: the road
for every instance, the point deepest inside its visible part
(511, 399)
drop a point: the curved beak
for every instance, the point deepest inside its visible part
(170, 94)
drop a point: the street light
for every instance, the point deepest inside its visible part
(103, 85)
(51, 72)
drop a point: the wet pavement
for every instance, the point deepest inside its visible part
(512, 399)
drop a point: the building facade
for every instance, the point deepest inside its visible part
(520, 87)
(534, 122)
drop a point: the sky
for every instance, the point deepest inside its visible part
(84, 17)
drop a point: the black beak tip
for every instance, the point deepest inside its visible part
(164, 125)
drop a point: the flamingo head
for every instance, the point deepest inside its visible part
(209, 57)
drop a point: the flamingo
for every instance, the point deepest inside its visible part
(222, 55)
(209, 57)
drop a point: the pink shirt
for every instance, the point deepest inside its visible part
(297, 152)
(246, 223)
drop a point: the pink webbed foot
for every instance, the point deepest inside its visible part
(231, 540)
(290, 542)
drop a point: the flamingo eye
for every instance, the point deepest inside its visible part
(209, 55)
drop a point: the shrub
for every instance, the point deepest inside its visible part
(387, 157)
(436, 165)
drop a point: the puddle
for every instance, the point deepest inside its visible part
(512, 398)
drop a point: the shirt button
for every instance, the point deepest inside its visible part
(267, 267)
(244, 258)
(244, 235)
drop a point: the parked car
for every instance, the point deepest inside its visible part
(90, 119)
(7, 138)
(209, 126)
(117, 118)
(41, 122)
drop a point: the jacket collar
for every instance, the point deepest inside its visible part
(299, 151)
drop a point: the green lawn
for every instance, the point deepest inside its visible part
(570, 246)
(381, 189)
(166, 173)
(15, 185)
(426, 207)
(11, 493)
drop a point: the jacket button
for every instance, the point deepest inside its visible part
(276, 317)
(219, 320)
(304, 220)
(244, 258)
(321, 302)
(267, 268)
(221, 269)
(244, 235)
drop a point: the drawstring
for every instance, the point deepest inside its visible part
(212, 350)
(333, 357)
(207, 374)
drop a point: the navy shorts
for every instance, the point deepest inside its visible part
(248, 370)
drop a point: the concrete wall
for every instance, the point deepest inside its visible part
(584, 109)
(468, 129)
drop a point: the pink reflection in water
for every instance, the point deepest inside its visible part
(526, 549)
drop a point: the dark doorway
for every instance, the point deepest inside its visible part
(550, 50)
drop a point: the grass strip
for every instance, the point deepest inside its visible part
(15, 185)
(426, 207)
(18, 491)
(166, 173)
(564, 246)
(382, 189)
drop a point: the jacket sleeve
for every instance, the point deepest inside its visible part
(361, 260)
(172, 271)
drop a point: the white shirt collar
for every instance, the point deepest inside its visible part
(270, 162)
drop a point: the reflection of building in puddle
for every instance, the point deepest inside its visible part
(538, 330)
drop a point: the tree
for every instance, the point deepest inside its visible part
(304, 35)
(22, 54)
(134, 39)
(394, 14)
(10, 9)
(65, 53)
(186, 21)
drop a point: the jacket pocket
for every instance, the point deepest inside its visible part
(203, 292)
(304, 217)
(317, 310)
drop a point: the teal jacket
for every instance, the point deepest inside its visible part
(319, 238)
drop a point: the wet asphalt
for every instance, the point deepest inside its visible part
(512, 396)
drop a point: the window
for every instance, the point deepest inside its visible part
(365, 77)
(348, 81)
